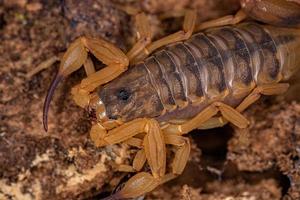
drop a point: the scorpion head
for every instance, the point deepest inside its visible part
(128, 97)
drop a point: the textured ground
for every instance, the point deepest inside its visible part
(64, 164)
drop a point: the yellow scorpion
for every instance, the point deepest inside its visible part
(200, 77)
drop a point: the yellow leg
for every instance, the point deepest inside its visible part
(140, 184)
(232, 115)
(125, 168)
(154, 152)
(138, 163)
(243, 136)
(139, 160)
(89, 66)
(155, 149)
(101, 137)
(136, 142)
(143, 35)
(273, 89)
(137, 185)
(195, 122)
(182, 153)
(229, 113)
(153, 142)
(213, 122)
(44, 65)
(223, 21)
(188, 28)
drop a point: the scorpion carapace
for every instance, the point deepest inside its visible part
(182, 82)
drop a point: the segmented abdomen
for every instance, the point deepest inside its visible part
(224, 64)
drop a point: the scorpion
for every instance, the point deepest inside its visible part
(201, 77)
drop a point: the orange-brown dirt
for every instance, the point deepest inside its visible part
(64, 164)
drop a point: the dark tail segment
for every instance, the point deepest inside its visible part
(58, 78)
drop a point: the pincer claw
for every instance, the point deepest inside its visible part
(97, 135)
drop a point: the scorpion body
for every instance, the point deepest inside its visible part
(222, 64)
(161, 90)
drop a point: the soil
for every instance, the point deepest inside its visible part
(64, 164)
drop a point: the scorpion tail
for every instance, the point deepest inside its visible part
(58, 78)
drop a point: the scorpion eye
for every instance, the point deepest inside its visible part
(123, 95)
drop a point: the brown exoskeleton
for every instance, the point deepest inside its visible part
(200, 80)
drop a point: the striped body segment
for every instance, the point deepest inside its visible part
(222, 64)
